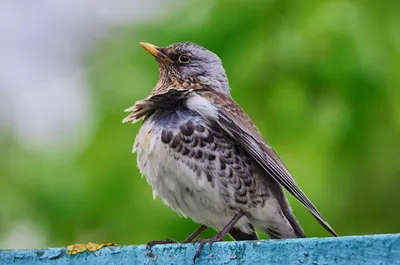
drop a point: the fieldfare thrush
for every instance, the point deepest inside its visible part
(205, 158)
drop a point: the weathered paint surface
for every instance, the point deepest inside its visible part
(355, 250)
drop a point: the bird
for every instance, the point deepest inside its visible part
(205, 158)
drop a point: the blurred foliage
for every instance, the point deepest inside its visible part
(319, 78)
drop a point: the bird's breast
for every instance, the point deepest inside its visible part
(172, 152)
(193, 166)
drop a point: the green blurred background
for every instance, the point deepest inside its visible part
(320, 79)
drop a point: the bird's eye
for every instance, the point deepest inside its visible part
(184, 58)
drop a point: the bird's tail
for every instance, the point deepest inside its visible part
(298, 230)
(284, 231)
(277, 234)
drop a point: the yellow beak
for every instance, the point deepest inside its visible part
(155, 51)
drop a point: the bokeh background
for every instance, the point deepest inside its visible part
(321, 80)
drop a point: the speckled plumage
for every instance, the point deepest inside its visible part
(204, 156)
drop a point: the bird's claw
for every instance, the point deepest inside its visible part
(202, 242)
(160, 242)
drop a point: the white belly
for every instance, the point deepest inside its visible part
(178, 186)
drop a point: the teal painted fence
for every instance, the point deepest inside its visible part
(353, 250)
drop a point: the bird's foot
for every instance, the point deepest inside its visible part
(204, 241)
(160, 242)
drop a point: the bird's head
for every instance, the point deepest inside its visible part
(186, 65)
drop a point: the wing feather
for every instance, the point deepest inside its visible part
(236, 123)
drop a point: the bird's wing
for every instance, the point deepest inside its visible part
(230, 116)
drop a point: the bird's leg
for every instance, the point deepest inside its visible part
(219, 236)
(171, 241)
(195, 234)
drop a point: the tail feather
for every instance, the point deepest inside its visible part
(295, 225)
